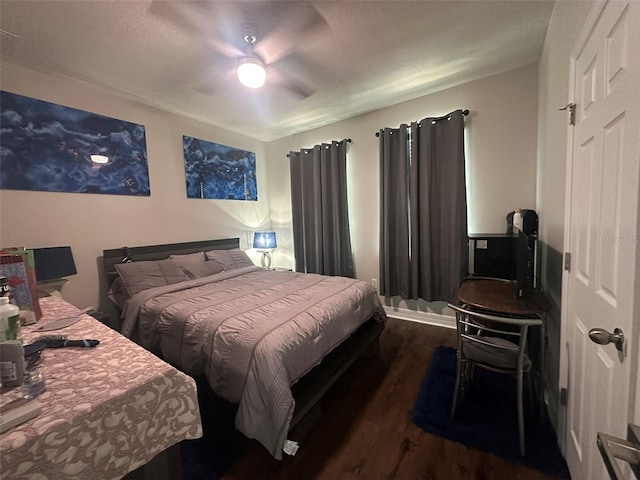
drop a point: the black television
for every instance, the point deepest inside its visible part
(525, 265)
(52, 263)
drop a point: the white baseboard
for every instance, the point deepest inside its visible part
(429, 318)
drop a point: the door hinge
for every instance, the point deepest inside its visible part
(567, 261)
(572, 112)
(563, 396)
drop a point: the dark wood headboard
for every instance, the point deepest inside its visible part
(159, 252)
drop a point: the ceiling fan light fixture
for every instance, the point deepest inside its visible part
(251, 72)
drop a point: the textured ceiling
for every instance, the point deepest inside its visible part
(326, 61)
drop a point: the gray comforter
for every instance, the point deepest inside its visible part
(253, 333)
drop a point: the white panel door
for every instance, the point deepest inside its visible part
(603, 232)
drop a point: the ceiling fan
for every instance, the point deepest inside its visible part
(250, 67)
(229, 31)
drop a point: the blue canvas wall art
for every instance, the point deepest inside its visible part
(217, 171)
(48, 147)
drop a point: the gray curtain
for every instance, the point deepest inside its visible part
(395, 274)
(321, 237)
(423, 236)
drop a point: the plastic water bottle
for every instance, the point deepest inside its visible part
(517, 219)
(9, 321)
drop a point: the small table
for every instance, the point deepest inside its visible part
(498, 295)
(106, 411)
(495, 295)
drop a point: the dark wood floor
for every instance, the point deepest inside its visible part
(366, 431)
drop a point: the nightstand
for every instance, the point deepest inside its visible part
(281, 269)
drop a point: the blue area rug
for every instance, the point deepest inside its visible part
(486, 419)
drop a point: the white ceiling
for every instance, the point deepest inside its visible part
(327, 60)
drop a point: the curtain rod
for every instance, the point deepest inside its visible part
(348, 140)
(437, 119)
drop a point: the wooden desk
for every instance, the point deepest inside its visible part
(495, 295)
(106, 411)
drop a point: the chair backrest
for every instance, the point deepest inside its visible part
(506, 335)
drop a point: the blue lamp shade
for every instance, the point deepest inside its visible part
(53, 262)
(265, 240)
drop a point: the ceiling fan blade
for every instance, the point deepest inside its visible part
(298, 23)
(300, 72)
(299, 89)
(226, 49)
(215, 84)
(194, 19)
(292, 85)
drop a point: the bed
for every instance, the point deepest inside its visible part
(271, 342)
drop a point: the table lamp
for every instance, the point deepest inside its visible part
(52, 264)
(265, 242)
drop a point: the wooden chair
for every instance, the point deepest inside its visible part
(495, 343)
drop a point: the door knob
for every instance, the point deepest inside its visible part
(602, 337)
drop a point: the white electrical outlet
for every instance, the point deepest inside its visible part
(374, 282)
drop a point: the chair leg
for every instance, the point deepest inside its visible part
(531, 405)
(459, 374)
(520, 414)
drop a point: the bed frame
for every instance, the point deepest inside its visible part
(309, 390)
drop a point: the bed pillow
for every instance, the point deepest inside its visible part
(189, 259)
(203, 269)
(117, 293)
(230, 259)
(139, 276)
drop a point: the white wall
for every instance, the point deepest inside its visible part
(566, 21)
(501, 159)
(92, 222)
